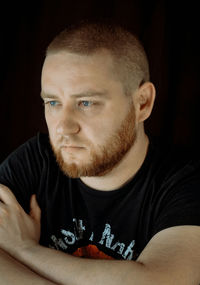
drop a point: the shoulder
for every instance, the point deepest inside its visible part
(28, 159)
(22, 170)
(40, 143)
(175, 195)
(173, 163)
(36, 146)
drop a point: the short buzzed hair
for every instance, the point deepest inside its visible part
(129, 57)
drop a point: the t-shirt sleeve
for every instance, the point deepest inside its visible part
(20, 172)
(179, 202)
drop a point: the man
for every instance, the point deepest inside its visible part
(99, 188)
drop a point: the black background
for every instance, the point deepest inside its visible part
(169, 31)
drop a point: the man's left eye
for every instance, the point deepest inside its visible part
(86, 103)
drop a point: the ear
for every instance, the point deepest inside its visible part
(144, 101)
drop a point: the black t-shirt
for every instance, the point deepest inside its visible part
(77, 219)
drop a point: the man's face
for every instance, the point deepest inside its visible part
(91, 122)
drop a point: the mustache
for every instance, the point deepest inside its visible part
(67, 142)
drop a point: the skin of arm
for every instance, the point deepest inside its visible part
(13, 272)
(171, 257)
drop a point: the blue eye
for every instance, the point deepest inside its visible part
(86, 103)
(53, 103)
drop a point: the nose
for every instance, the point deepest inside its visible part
(67, 125)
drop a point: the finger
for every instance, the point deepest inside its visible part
(6, 195)
(35, 211)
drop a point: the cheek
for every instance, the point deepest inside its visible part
(50, 125)
(98, 131)
(46, 118)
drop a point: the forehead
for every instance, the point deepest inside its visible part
(69, 69)
(101, 60)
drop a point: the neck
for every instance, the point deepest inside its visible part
(125, 170)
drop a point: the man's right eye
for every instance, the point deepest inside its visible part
(52, 103)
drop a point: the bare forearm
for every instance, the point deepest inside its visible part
(13, 272)
(66, 269)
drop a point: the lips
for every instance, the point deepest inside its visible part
(71, 148)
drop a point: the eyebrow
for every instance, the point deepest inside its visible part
(89, 93)
(44, 95)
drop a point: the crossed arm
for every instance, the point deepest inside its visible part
(171, 257)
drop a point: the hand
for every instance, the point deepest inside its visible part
(17, 229)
